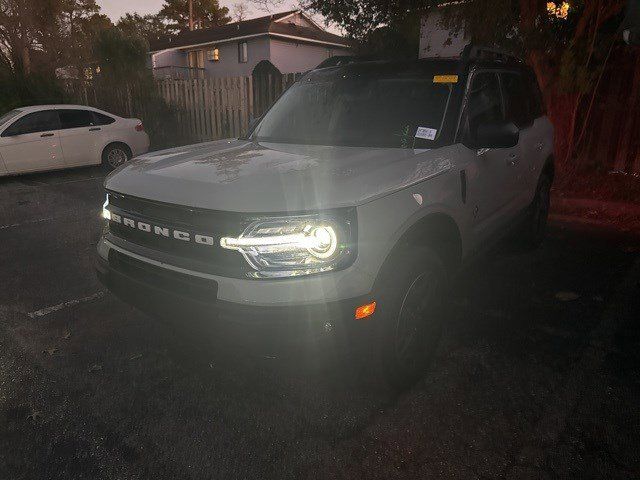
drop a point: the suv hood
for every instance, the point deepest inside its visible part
(242, 176)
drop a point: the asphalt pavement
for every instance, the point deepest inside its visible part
(538, 374)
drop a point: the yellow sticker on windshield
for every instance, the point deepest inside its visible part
(445, 79)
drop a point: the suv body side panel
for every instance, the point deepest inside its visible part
(537, 150)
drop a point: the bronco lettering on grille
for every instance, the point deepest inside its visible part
(162, 231)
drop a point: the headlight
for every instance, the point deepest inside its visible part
(106, 214)
(293, 246)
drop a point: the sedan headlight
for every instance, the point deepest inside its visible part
(293, 246)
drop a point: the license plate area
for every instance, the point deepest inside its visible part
(159, 278)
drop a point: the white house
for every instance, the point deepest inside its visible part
(291, 41)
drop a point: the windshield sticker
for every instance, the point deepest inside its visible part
(426, 133)
(445, 79)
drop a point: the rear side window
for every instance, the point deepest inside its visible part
(101, 119)
(35, 122)
(484, 103)
(517, 99)
(75, 118)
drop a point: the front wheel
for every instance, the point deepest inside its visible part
(115, 155)
(409, 320)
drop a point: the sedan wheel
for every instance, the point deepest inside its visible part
(116, 157)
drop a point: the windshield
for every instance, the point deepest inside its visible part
(9, 115)
(359, 109)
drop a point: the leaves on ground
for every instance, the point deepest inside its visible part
(567, 296)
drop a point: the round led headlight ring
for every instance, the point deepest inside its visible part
(325, 242)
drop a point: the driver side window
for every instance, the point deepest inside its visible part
(484, 102)
(35, 122)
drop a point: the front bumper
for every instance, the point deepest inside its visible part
(164, 292)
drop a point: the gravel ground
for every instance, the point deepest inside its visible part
(538, 374)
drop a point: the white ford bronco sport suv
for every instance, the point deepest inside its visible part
(346, 208)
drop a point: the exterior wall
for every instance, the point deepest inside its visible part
(437, 41)
(169, 58)
(228, 65)
(291, 57)
(287, 56)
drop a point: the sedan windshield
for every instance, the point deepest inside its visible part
(8, 116)
(359, 108)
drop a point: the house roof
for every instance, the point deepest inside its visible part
(267, 25)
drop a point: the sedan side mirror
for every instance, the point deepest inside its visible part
(497, 135)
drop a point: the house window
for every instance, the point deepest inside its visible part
(243, 54)
(213, 54)
(196, 59)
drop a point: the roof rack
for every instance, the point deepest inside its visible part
(477, 52)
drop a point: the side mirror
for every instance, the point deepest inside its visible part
(497, 135)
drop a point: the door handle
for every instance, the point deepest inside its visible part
(512, 160)
(47, 135)
(94, 129)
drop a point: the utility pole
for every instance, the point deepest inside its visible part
(190, 14)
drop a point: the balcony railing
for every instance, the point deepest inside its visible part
(179, 73)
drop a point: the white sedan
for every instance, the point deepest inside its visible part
(53, 137)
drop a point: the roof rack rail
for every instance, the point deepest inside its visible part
(477, 52)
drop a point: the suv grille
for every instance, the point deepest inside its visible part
(209, 225)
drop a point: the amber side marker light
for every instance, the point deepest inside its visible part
(365, 311)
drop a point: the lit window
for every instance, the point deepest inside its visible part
(243, 55)
(213, 55)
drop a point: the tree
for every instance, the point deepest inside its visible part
(148, 26)
(566, 43)
(206, 13)
(120, 56)
(23, 27)
(239, 12)
(268, 6)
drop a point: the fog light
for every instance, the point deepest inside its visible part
(365, 311)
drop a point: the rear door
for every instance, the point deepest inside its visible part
(32, 143)
(80, 137)
(518, 109)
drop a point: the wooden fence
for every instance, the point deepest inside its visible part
(196, 110)
(612, 138)
(210, 108)
(213, 108)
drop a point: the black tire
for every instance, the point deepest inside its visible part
(115, 154)
(532, 233)
(409, 318)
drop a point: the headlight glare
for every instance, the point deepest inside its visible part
(106, 214)
(292, 246)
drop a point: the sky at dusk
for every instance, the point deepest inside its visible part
(114, 9)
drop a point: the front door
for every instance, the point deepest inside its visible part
(490, 172)
(32, 143)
